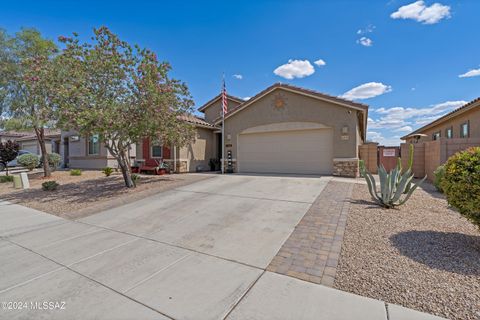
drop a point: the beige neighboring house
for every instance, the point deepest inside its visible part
(283, 129)
(12, 135)
(89, 153)
(435, 142)
(28, 140)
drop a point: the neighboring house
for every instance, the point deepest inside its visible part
(12, 135)
(28, 140)
(283, 129)
(435, 142)
(463, 123)
(87, 152)
(90, 153)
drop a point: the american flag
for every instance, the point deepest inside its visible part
(224, 98)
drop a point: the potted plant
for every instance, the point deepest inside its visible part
(214, 164)
(163, 168)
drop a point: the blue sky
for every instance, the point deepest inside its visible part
(406, 57)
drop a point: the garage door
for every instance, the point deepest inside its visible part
(302, 152)
(31, 147)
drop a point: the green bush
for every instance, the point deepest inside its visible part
(29, 161)
(4, 179)
(107, 171)
(75, 172)
(50, 185)
(361, 166)
(54, 160)
(135, 179)
(461, 183)
(439, 175)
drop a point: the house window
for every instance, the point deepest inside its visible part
(436, 135)
(156, 148)
(94, 144)
(464, 130)
(449, 133)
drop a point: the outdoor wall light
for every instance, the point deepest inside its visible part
(345, 130)
(229, 137)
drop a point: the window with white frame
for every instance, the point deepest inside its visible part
(449, 133)
(156, 148)
(93, 144)
(464, 130)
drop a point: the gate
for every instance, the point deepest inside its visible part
(388, 156)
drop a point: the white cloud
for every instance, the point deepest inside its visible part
(238, 76)
(295, 69)
(366, 42)
(367, 29)
(320, 62)
(398, 117)
(247, 98)
(367, 90)
(404, 129)
(385, 141)
(470, 73)
(420, 12)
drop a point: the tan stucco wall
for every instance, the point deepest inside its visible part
(298, 108)
(78, 157)
(214, 111)
(198, 152)
(472, 115)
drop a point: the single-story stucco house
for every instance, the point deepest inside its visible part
(283, 129)
(28, 140)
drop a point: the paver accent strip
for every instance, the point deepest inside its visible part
(312, 251)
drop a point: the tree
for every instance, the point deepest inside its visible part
(8, 152)
(122, 94)
(29, 83)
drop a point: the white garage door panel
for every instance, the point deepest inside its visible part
(32, 147)
(304, 152)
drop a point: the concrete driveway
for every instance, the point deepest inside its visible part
(196, 252)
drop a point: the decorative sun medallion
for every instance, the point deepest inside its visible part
(279, 101)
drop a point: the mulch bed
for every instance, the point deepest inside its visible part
(423, 255)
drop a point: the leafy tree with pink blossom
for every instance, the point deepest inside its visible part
(121, 93)
(28, 84)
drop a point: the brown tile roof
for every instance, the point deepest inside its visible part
(49, 133)
(468, 106)
(12, 133)
(196, 121)
(210, 102)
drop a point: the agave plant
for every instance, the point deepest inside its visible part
(393, 185)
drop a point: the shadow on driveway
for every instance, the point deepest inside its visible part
(449, 251)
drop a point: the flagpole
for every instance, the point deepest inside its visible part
(223, 129)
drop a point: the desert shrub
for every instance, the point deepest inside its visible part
(54, 160)
(4, 179)
(75, 172)
(107, 171)
(439, 174)
(50, 185)
(461, 183)
(361, 166)
(135, 179)
(29, 161)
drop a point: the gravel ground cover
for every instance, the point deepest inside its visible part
(92, 192)
(422, 255)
